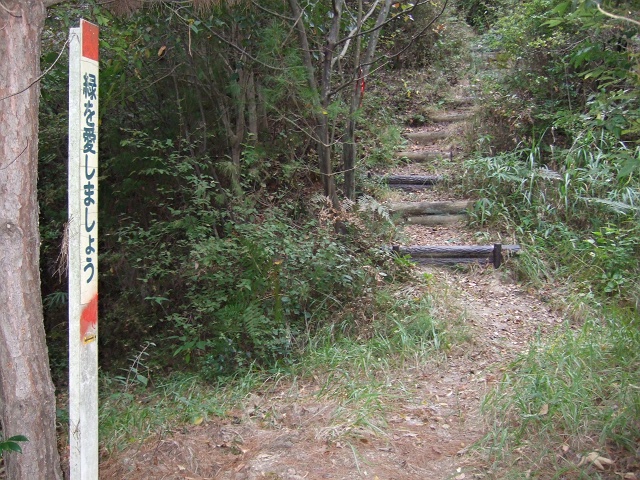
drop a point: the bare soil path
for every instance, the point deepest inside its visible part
(431, 418)
(431, 413)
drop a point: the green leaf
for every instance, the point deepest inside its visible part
(10, 446)
(142, 380)
(157, 300)
(561, 8)
(554, 22)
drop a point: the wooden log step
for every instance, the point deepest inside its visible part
(452, 254)
(424, 156)
(449, 261)
(432, 220)
(412, 179)
(492, 55)
(408, 187)
(426, 138)
(453, 251)
(450, 117)
(429, 208)
(461, 101)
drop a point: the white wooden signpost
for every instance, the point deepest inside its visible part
(83, 251)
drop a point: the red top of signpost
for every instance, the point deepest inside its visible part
(89, 40)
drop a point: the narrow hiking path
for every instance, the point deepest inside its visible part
(422, 419)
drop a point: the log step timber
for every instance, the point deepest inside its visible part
(453, 254)
(452, 250)
(411, 179)
(429, 208)
(449, 261)
(426, 138)
(433, 220)
(461, 101)
(450, 117)
(424, 156)
(407, 187)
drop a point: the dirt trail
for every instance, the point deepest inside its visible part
(432, 415)
(290, 433)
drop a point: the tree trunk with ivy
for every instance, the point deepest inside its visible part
(27, 397)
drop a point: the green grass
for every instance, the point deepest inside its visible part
(128, 418)
(359, 375)
(356, 376)
(580, 389)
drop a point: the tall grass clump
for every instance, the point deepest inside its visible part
(573, 209)
(132, 415)
(401, 331)
(360, 373)
(569, 395)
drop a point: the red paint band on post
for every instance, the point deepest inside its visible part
(89, 318)
(89, 40)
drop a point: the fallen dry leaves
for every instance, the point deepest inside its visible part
(596, 460)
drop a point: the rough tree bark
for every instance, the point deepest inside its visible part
(27, 400)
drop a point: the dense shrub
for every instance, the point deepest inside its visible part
(222, 287)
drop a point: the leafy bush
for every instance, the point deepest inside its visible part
(222, 284)
(560, 160)
(480, 14)
(410, 41)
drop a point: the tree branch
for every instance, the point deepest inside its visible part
(358, 26)
(13, 14)
(270, 12)
(19, 155)
(304, 43)
(617, 17)
(389, 57)
(221, 37)
(373, 40)
(414, 38)
(378, 27)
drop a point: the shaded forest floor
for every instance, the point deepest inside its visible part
(417, 420)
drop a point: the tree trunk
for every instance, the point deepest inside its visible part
(27, 400)
(360, 74)
(252, 109)
(349, 154)
(325, 144)
(349, 148)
